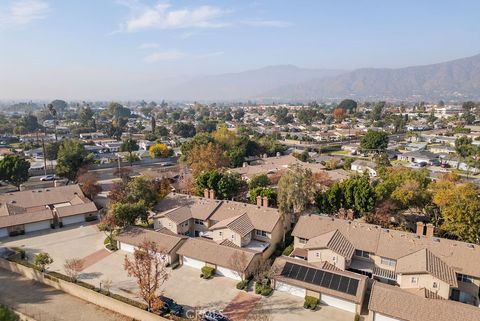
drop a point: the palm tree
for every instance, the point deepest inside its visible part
(53, 112)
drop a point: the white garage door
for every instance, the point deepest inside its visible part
(381, 317)
(338, 303)
(73, 219)
(228, 273)
(188, 261)
(3, 232)
(127, 247)
(294, 290)
(37, 226)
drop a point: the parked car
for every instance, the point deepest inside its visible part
(422, 164)
(214, 316)
(48, 178)
(170, 306)
(444, 165)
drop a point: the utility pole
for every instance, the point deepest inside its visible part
(44, 158)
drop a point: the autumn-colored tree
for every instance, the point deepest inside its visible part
(382, 213)
(73, 267)
(89, 184)
(124, 173)
(322, 180)
(205, 158)
(159, 151)
(149, 267)
(118, 193)
(459, 207)
(339, 114)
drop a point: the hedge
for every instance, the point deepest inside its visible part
(242, 285)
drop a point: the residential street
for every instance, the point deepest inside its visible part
(45, 303)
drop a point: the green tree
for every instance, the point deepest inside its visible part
(30, 122)
(42, 260)
(184, 130)
(143, 189)
(14, 170)
(71, 157)
(296, 191)
(259, 181)
(230, 185)
(129, 145)
(51, 150)
(263, 192)
(374, 141)
(128, 213)
(348, 105)
(118, 111)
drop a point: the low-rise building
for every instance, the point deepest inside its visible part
(362, 166)
(40, 209)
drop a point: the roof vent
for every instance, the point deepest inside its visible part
(13, 202)
(416, 236)
(386, 230)
(470, 246)
(47, 190)
(436, 239)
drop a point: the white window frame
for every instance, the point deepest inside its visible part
(198, 222)
(464, 278)
(435, 285)
(387, 261)
(414, 280)
(301, 240)
(261, 233)
(362, 254)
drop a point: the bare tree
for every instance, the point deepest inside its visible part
(107, 285)
(238, 262)
(149, 267)
(73, 267)
(262, 270)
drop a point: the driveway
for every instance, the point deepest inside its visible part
(285, 307)
(43, 302)
(184, 284)
(78, 241)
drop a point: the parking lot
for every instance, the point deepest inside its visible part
(184, 284)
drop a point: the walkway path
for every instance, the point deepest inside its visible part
(44, 303)
(241, 306)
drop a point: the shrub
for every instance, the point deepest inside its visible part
(110, 244)
(357, 317)
(207, 272)
(288, 250)
(242, 285)
(42, 260)
(60, 276)
(21, 252)
(24, 263)
(310, 302)
(264, 290)
(7, 315)
(267, 290)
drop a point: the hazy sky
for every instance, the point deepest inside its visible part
(104, 49)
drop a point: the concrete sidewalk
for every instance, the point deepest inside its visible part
(44, 303)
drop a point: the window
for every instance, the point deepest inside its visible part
(435, 285)
(317, 254)
(386, 261)
(302, 240)
(198, 222)
(220, 233)
(361, 253)
(233, 236)
(261, 233)
(464, 278)
(414, 280)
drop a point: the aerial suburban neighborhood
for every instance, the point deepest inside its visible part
(139, 182)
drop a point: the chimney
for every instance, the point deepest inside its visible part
(212, 194)
(245, 164)
(206, 193)
(430, 230)
(420, 228)
(259, 200)
(265, 201)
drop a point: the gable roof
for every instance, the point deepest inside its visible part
(424, 261)
(334, 241)
(165, 240)
(392, 244)
(214, 253)
(280, 262)
(397, 303)
(240, 224)
(180, 207)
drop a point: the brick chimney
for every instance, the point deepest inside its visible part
(420, 228)
(265, 201)
(430, 230)
(206, 193)
(212, 194)
(350, 214)
(259, 200)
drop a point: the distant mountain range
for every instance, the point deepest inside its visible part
(452, 80)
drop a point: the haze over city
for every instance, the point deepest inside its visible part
(130, 49)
